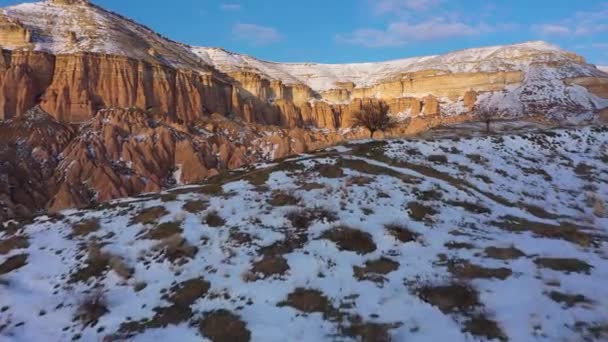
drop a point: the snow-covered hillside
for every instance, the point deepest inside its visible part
(500, 237)
(604, 68)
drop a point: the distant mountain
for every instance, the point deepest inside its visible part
(604, 68)
(188, 82)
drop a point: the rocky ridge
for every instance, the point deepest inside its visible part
(74, 58)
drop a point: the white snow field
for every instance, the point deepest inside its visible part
(452, 239)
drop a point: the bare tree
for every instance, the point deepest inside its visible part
(374, 118)
(486, 115)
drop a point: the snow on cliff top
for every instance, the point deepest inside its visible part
(97, 30)
(604, 68)
(325, 76)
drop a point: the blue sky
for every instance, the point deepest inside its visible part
(337, 31)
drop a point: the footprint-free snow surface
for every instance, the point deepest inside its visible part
(501, 237)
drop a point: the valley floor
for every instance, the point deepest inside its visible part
(452, 239)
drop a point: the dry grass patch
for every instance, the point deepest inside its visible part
(196, 206)
(213, 219)
(13, 243)
(373, 270)
(362, 331)
(181, 296)
(311, 301)
(459, 245)
(303, 218)
(164, 231)
(450, 298)
(149, 215)
(349, 239)
(85, 227)
(420, 212)
(270, 265)
(311, 186)
(540, 172)
(567, 265)
(13, 263)
(401, 233)
(481, 326)
(224, 326)
(97, 264)
(212, 190)
(329, 170)
(568, 300)
(281, 199)
(473, 208)
(565, 231)
(187, 292)
(438, 158)
(503, 253)
(176, 249)
(359, 180)
(466, 270)
(92, 309)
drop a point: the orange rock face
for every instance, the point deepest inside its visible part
(72, 88)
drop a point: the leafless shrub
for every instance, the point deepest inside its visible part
(374, 118)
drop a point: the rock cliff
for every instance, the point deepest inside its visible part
(74, 58)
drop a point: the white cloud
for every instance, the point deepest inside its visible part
(256, 34)
(230, 7)
(553, 30)
(582, 23)
(391, 6)
(401, 33)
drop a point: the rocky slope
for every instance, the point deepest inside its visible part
(487, 238)
(123, 152)
(74, 58)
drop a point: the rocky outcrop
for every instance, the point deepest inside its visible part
(13, 33)
(29, 154)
